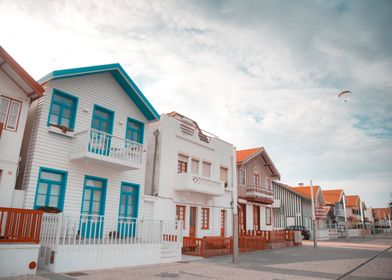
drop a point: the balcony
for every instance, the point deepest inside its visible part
(101, 148)
(199, 184)
(256, 194)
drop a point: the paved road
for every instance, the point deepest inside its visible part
(330, 260)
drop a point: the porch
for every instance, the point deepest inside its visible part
(71, 243)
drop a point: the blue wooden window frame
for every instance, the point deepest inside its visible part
(50, 183)
(105, 110)
(57, 95)
(93, 188)
(132, 133)
(135, 193)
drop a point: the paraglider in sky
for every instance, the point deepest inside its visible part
(344, 95)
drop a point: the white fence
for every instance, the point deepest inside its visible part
(100, 144)
(70, 243)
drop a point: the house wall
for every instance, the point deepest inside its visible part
(48, 149)
(172, 142)
(11, 141)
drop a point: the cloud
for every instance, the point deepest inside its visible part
(255, 73)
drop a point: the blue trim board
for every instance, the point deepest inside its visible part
(119, 75)
(63, 185)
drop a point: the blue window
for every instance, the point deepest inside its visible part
(50, 188)
(135, 130)
(63, 109)
(129, 203)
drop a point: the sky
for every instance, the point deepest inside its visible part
(254, 73)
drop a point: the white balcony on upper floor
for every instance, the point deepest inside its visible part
(94, 146)
(196, 183)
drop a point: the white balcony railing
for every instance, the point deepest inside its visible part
(196, 183)
(261, 194)
(106, 148)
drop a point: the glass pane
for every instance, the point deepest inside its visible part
(122, 210)
(55, 190)
(41, 199)
(66, 113)
(54, 119)
(123, 199)
(14, 108)
(93, 183)
(51, 176)
(4, 105)
(55, 109)
(42, 188)
(133, 125)
(96, 207)
(87, 194)
(104, 126)
(86, 206)
(101, 114)
(63, 99)
(97, 196)
(53, 201)
(65, 122)
(11, 123)
(96, 123)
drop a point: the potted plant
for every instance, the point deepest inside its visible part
(49, 209)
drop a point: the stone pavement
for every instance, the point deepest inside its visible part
(329, 261)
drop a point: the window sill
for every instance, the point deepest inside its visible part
(57, 130)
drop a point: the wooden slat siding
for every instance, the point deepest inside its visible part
(51, 150)
(20, 225)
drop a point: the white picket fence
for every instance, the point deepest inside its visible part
(70, 243)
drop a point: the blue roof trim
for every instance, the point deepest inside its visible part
(119, 75)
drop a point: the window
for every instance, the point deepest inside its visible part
(242, 177)
(256, 178)
(206, 171)
(242, 217)
(129, 200)
(9, 112)
(180, 214)
(94, 195)
(182, 166)
(223, 174)
(50, 188)
(256, 217)
(268, 216)
(205, 218)
(195, 166)
(268, 183)
(135, 130)
(63, 110)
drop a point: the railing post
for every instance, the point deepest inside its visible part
(58, 231)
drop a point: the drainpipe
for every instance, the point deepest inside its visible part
(154, 190)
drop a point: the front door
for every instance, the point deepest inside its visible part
(93, 207)
(101, 131)
(256, 217)
(129, 202)
(192, 221)
(223, 222)
(242, 218)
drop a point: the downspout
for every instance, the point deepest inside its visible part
(154, 191)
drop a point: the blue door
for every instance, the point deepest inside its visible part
(101, 134)
(129, 202)
(93, 207)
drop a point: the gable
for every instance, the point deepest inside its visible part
(121, 77)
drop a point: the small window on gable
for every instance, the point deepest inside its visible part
(135, 130)
(9, 112)
(256, 177)
(63, 110)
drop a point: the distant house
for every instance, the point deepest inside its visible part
(354, 210)
(87, 160)
(17, 90)
(382, 217)
(336, 200)
(290, 207)
(255, 173)
(190, 177)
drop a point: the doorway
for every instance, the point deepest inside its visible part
(192, 221)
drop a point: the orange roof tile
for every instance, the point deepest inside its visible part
(245, 154)
(305, 190)
(352, 200)
(381, 212)
(332, 196)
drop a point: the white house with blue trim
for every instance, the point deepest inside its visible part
(87, 158)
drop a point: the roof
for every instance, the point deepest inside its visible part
(352, 200)
(305, 191)
(332, 197)
(245, 155)
(290, 189)
(384, 213)
(23, 79)
(119, 75)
